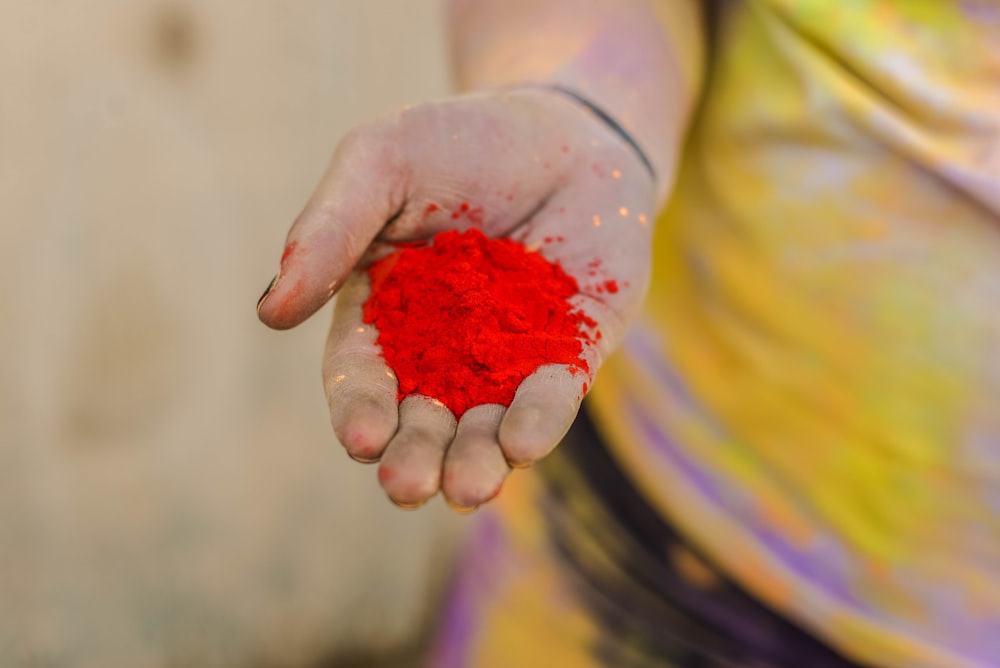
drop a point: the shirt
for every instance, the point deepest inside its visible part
(812, 393)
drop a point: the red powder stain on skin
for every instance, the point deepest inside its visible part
(288, 298)
(475, 215)
(431, 208)
(290, 250)
(560, 238)
(510, 197)
(611, 286)
(565, 148)
(547, 165)
(547, 240)
(466, 319)
(597, 169)
(562, 209)
(360, 444)
(386, 475)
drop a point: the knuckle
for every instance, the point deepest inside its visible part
(357, 140)
(372, 140)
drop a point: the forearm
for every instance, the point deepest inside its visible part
(639, 60)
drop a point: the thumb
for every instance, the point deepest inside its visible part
(364, 186)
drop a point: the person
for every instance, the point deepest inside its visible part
(792, 459)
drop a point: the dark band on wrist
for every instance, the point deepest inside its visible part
(608, 120)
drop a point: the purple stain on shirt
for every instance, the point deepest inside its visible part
(822, 567)
(456, 634)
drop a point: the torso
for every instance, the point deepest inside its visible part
(814, 392)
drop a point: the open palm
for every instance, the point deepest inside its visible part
(528, 164)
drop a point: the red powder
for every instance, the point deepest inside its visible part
(466, 319)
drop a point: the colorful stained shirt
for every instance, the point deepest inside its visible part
(812, 395)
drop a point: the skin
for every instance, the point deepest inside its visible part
(533, 164)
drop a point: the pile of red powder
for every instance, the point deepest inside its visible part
(466, 318)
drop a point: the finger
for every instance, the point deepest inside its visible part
(360, 388)
(474, 467)
(410, 472)
(541, 413)
(363, 187)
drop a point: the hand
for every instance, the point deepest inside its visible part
(531, 164)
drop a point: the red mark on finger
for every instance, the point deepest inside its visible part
(476, 216)
(611, 286)
(290, 250)
(431, 208)
(289, 299)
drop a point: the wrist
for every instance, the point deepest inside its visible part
(607, 119)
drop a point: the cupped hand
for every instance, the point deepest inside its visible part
(530, 164)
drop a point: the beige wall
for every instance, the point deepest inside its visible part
(170, 491)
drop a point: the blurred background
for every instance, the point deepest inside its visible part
(170, 490)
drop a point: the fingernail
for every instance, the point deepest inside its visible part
(519, 465)
(462, 510)
(270, 286)
(407, 506)
(362, 460)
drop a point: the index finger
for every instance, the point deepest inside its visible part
(364, 186)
